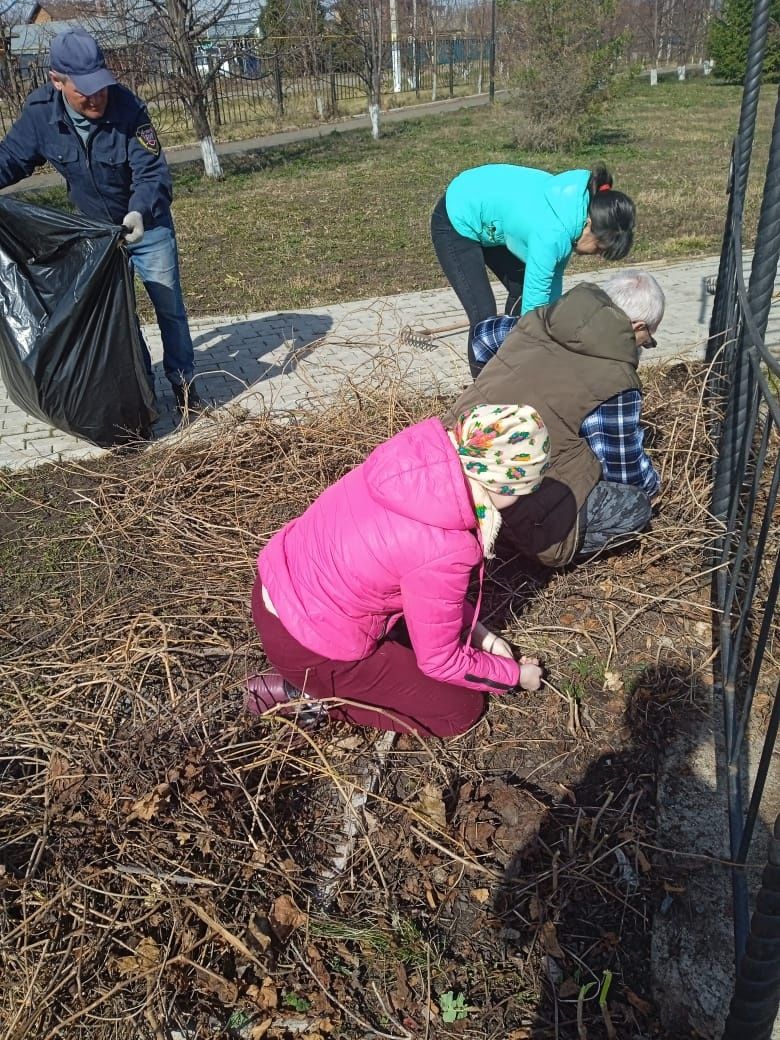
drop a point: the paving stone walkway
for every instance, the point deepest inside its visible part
(288, 359)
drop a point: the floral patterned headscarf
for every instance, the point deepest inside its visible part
(505, 449)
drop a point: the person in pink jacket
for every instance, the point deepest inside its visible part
(398, 536)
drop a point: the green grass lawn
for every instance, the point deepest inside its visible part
(346, 217)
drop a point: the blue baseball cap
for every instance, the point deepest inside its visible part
(76, 54)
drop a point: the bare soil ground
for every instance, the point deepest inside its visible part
(165, 858)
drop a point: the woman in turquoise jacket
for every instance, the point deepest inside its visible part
(523, 225)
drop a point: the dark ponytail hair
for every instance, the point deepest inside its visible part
(612, 215)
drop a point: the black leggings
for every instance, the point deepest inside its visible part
(464, 262)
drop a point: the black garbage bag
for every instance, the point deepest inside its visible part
(70, 347)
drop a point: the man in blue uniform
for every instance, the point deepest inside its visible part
(98, 135)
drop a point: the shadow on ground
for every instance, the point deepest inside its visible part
(232, 357)
(589, 887)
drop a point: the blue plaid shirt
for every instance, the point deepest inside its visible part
(613, 430)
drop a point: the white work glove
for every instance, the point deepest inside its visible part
(134, 223)
(483, 639)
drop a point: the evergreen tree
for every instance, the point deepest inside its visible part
(729, 36)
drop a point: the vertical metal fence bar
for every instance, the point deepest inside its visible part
(278, 85)
(725, 579)
(761, 542)
(772, 594)
(736, 539)
(756, 997)
(746, 826)
(738, 432)
(759, 32)
(762, 773)
(734, 446)
(743, 151)
(740, 500)
(736, 816)
(727, 665)
(724, 318)
(739, 170)
(764, 268)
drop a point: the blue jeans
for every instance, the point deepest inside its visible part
(155, 259)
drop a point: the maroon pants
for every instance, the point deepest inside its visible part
(386, 690)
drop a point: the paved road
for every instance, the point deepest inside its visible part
(289, 359)
(191, 153)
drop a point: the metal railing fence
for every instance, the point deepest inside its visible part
(744, 387)
(252, 80)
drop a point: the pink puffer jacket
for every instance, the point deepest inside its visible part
(397, 535)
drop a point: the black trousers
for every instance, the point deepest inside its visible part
(465, 263)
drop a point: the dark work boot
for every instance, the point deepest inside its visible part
(188, 400)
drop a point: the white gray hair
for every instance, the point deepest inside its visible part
(638, 294)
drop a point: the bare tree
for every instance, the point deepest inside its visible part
(12, 87)
(374, 56)
(479, 25)
(182, 25)
(439, 16)
(363, 23)
(667, 31)
(308, 26)
(171, 31)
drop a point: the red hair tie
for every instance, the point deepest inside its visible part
(605, 187)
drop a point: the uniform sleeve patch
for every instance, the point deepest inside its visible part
(147, 136)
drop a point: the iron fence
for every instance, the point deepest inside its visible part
(744, 387)
(251, 81)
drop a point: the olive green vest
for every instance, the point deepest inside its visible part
(564, 360)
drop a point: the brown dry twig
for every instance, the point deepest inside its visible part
(150, 829)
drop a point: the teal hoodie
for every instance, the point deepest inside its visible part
(538, 216)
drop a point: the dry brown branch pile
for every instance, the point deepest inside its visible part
(163, 853)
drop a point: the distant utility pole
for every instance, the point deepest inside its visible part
(492, 88)
(415, 54)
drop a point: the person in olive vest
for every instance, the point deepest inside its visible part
(575, 361)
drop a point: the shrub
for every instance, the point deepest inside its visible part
(566, 58)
